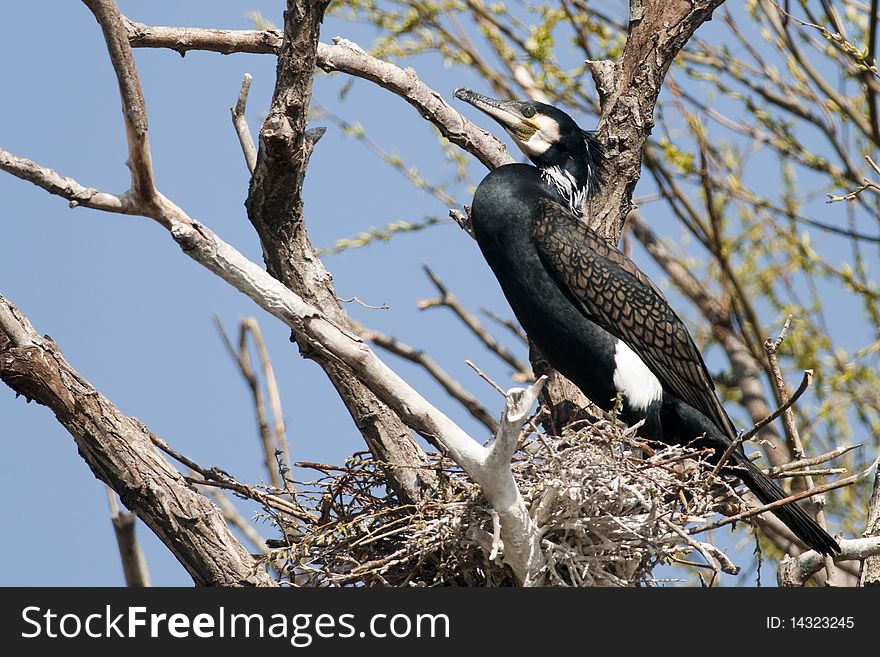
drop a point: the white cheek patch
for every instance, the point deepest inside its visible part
(541, 139)
(549, 128)
(536, 144)
(633, 378)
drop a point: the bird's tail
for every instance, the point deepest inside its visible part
(792, 515)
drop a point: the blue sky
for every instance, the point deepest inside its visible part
(135, 318)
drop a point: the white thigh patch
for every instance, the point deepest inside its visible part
(633, 378)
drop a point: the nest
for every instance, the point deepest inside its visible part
(607, 515)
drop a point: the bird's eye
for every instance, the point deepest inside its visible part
(528, 112)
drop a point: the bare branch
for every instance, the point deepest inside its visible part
(480, 373)
(134, 564)
(795, 571)
(771, 347)
(343, 56)
(68, 188)
(217, 477)
(278, 428)
(233, 516)
(870, 571)
(243, 362)
(449, 300)
(748, 435)
(275, 209)
(840, 483)
(717, 560)
(239, 120)
(522, 541)
(809, 473)
(139, 158)
(815, 460)
(509, 324)
(441, 376)
(119, 451)
(184, 39)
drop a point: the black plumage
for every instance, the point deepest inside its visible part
(589, 309)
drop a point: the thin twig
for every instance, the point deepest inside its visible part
(771, 346)
(509, 324)
(448, 300)
(282, 447)
(384, 306)
(449, 383)
(134, 564)
(216, 477)
(241, 126)
(233, 516)
(809, 473)
(848, 481)
(484, 376)
(748, 435)
(242, 359)
(815, 460)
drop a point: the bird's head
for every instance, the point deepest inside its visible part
(547, 135)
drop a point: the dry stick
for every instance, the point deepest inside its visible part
(233, 517)
(242, 359)
(808, 473)
(484, 376)
(785, 407)
(509, 324)
(217, 477)
(795, 571)
(272, 392)
(715, 558)
(771, 346)
(441, 376)
(343, 56)
(449, 300)
(815, 460)
(241, 127)
(848, 481)
(134, 564)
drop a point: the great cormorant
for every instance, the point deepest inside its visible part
(593, 314)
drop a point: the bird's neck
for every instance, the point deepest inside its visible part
(570, 183)
(575, 176)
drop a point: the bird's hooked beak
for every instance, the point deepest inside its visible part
(509, 113)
